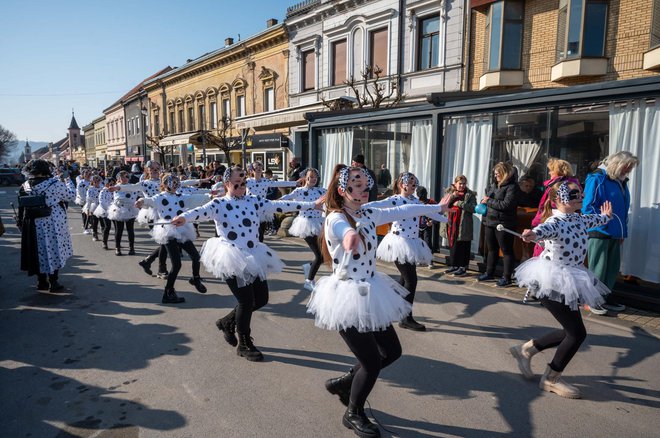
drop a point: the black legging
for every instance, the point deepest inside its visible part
(374, 351)
(84, 220)
(174, 251)
(106, 224)
(262, 230)
(313, 243)
(250, 297)
(119, 230)
(408, 279)
(496, 240)
(159, 253)
(459, 254)
(568, 340)
(95, 224)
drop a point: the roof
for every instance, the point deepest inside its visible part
(137, 88)
(73, 124)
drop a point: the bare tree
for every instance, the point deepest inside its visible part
(7, 142)
(222, 139)
(154, 145)
(369, 91)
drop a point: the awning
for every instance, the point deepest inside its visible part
(172, 140)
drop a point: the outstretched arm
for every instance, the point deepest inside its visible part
(387, 215)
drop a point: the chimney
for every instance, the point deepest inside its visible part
(229, 42)
(272, 22)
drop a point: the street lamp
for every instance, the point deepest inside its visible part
(245, 141)
(144, 113)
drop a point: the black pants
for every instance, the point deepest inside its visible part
(174, 251)
(95, 224)
(374, 351)
(106, 224)
(262, 230)
(313, 243)
(84, 220)
(119, 230)
(408, 279)
(159, 253)
(250, 297)
(568, 340)
(459, 254)
(496, 240)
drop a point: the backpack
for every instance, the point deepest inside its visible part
(34, 203)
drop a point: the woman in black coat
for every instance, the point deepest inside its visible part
(502, 202)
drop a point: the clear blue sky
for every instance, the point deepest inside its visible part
(86, 54)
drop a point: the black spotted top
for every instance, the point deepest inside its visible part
(566, 236)
(170, 205)
(309, 194)
(408, 227)
(259, 187)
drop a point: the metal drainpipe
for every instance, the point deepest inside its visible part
(402, 14)
(466, 50)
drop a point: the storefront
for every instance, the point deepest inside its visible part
(467, 135)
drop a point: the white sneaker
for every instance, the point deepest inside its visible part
(597, 310)
(614, 307)
(309, 285)
(86, 232)
(306, 268)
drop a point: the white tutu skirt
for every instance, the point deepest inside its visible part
(304, 227)
(224, 261)
(163, 233)
(89, 208)
(99, 211)
(395, 248)
(368, 306)
(147, 215)
(79, 200)
(571, 285)
(123, 213)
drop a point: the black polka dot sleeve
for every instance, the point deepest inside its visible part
(271, 207)
(386, 215)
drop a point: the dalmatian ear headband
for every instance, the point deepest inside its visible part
(343, 177)
(172, 182)
(407, 177)
(310, 169)
(226, 176)
(565, 194)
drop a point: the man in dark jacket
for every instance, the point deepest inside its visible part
(358, 161)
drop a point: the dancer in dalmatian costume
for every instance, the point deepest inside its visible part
(309, 223)
(558, 278)
(168, 204)
(122, 212)
(355, 299)
(82, 184)
(106, 197)
(91, 203)
(237, 256)
(257, 185)
(402, 245)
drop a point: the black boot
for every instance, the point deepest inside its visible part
(247, 349)
(117, 251)
(42, 282)
(227, 326)
(95, 237)
(409, 323)
(355, 418)
(170, 297)
(55, 286)
(105, 245)
(197, 282)
(146, 266)
(131, 250)
(341, 386)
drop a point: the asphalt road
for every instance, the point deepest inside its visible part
(107, 359)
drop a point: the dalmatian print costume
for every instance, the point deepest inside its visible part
(146, 187)
(402, 243)
(259, 187)
(167, 206)
(91, 200)
(105, 200)
(123, 204)
(558, 272)
(308, 222)
(81, 191)
(237, 252)
(355, 294)
(53, 238)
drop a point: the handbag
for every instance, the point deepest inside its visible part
(35, 204)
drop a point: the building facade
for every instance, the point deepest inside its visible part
(100, 145)
(90, 148)
(115, 120)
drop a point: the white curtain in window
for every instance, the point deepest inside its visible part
(336, 148)
(522, 153)
(466, 151)
(421, 152)
(635, 127)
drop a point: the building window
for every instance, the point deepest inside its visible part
(240, 106)
(171, 127)
(137, 125)
(202, 117)
(214, 115)
(191, 118)
(338, 53)
(378, 50)
(308, 78)
(655, 25)
(156, 124)
(182, 127)
(269, 99)
(581, 29)
(428, 42)
(504, 31)
(226, 108)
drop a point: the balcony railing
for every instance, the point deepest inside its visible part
(301, 7)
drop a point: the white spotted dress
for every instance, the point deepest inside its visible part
(53, 238)
(356, 295)
(81, 192)
(105, 201)
(237, 252)
(91, 200)
(168, 205)
(402, 243)
(259, 187)
(558, 273)
(123, 204)
(309, 222)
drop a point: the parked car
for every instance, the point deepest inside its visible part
(10, 176)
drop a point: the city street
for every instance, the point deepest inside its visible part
(107, 359)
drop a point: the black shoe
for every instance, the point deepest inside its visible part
(451, 270)
(247, 349)
(227, 326)
(131, 251)
(146, 266)
(197, 282)
(459, 272)
(95, 238)
(503, 282)
(341, 386)
(170, 297)
(409, 323)
(118, 251)
(485, 277)
(162, 275)
(55, 287)
(355, 419)
(43, 285)
(105, 245)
